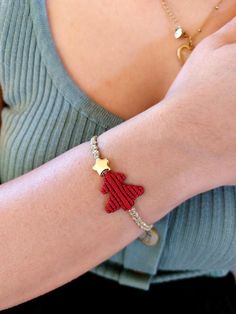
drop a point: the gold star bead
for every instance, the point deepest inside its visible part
(101, 165)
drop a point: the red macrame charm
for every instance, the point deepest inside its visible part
(121, 195)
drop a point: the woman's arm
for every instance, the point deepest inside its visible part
(53, 226)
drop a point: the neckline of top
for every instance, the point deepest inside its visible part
(72, 92)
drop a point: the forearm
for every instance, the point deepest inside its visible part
(53, 225)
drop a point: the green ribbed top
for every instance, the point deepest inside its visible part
(47, 114)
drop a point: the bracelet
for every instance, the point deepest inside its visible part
(121, 195)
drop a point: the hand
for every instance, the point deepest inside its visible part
(205, 103)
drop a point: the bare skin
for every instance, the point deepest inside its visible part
(46, 213)
(122, 53)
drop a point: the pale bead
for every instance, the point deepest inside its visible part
(179, 32)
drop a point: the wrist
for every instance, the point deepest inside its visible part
(195, 142)
(150, 150)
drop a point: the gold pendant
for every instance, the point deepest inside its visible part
(180, 55)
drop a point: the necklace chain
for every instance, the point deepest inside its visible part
(175, 21)
(181, 33)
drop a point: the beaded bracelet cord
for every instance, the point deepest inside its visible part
(121, 195)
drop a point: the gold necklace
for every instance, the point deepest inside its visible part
(181, 33)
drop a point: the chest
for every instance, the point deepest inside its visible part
(121, 53)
